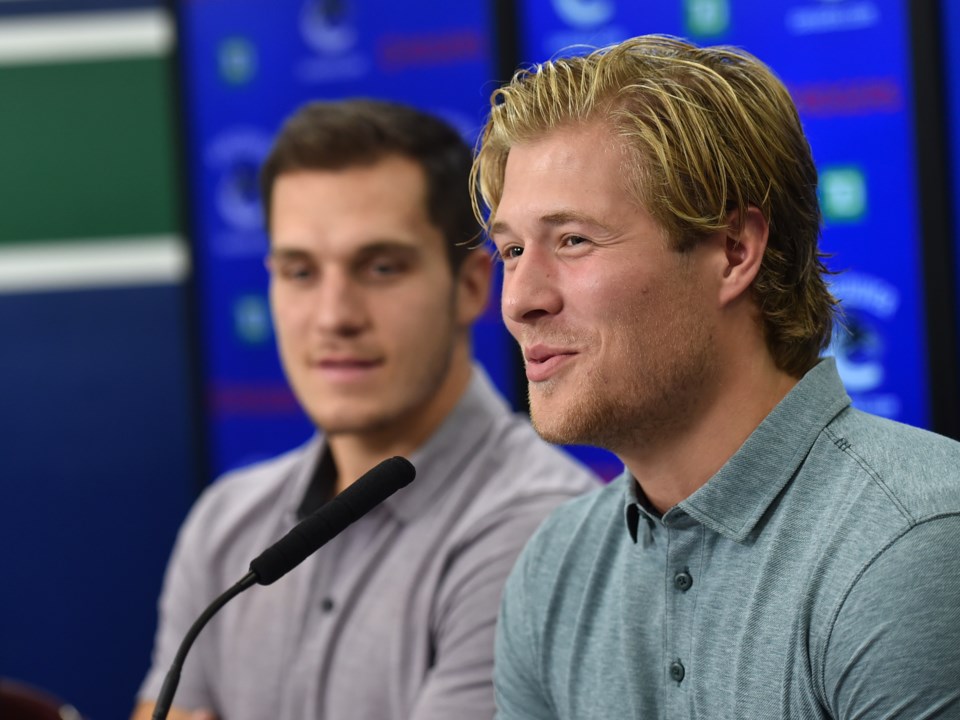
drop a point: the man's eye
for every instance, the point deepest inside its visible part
(574, 240)
(512, 251)
(297, 272)
(385, 268)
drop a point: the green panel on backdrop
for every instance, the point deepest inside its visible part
(87, 150)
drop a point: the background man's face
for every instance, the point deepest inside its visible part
(362, 295)
(613, 323)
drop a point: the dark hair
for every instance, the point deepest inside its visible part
(336, 135)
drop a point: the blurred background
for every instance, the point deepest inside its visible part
(137, 357)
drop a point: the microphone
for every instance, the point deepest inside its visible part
(326, 523)
(308, 536)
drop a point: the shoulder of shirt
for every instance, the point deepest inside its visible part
(236, 499)
(917, 470)
(509, 478)
(516, 463)
(260, 478)
(564, 551)
(577, 524)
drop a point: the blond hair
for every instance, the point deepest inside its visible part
(711, 132)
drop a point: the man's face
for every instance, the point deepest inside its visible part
(363, 296)
(614, 324)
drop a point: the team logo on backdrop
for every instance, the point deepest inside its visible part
(584, 13)
(236, 60)
(843, 194)
(827, 16)
(706, 18)
(330, 32)
(859, 343)
(858, 348)
(251, 319)
(233, 160)
(588, 24)
(327, 26)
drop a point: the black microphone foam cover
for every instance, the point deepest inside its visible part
(371, 489)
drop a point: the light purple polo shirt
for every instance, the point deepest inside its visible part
(395, 617)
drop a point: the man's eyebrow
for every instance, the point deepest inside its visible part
(499, 227)
(276, 253)
(554, 219)
(373, 248)
(380, 246)
(563, 217)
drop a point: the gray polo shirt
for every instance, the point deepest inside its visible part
(816, 575)
(392, 619)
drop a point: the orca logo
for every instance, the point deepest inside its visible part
(235, 159)
(859, 343)
(237, 195)
(326, 26)
(584, 13)
(858, 348)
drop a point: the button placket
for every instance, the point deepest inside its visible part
(683, 564)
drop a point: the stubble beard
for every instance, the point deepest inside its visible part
(652, 395)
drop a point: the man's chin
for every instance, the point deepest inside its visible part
(553, 427)
(348, 423)
(565, 424)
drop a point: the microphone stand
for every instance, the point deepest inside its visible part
(372, 488)
(172, 679)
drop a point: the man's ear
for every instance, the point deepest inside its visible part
(473, 286)
(744, 244)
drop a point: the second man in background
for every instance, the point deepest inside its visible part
(375, 282)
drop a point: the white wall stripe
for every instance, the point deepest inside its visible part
(40, 39)
(95, 263)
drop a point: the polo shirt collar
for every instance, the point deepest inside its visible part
(301, 473)
(732, 502)
(438, 462)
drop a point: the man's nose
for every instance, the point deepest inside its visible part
(340, 306)
(530, 288)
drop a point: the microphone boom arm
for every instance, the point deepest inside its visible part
(372, 488)
(172, 679)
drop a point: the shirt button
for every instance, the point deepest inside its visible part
(683, 581)
(327, 604)
(677, 671)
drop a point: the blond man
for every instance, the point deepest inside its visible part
(770, 552)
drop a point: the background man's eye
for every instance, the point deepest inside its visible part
(297, 272)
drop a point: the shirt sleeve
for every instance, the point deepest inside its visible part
(185, 586)
(459, 684)
(894, 651)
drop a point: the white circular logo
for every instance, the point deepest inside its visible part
(584, 13)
